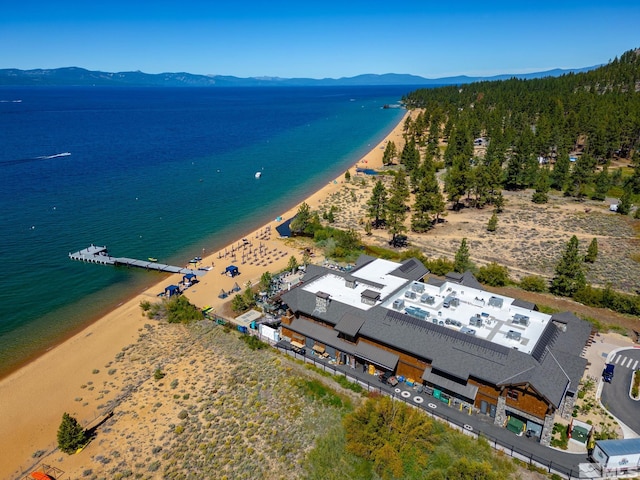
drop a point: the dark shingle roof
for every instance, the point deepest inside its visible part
(463, 356)
(524, 304)
(349, 324)
(321, 334)
(377, 355)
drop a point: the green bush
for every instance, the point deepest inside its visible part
(440, 266)
(494, 275)
(253, 342)
(533, 283)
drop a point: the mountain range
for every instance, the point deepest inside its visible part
(80, 76)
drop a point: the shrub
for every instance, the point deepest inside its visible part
(533, 283)
(494, 275)
(254, 343)
(439, 266)
(158, 374)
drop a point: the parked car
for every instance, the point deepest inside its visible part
(607, 373)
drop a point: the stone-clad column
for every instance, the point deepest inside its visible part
(501, 413)
(547, 431)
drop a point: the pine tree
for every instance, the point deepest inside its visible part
(462, 261)
(560, 173)
(569, 276)
(389, 154)
(71, 435)
(410, 156)
(634, 180)
(428, 202)
(396, 210)
(458, 180)
(602, 185)
(493, 223)
(498, 202)
(592, 251)
(300, 224)
(581, 176)
(377, 204)
(624, 205)
(542, 187)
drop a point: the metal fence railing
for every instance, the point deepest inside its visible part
(514, 451)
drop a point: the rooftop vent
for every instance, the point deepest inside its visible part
(398, 304)
(495, 302)
(427, 299)
(513, 335)
(370, 297)
(410, 295)
(451, 301)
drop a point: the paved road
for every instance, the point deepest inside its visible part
(615, 395)
(526, 448)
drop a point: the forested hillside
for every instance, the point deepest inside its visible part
(545, 133)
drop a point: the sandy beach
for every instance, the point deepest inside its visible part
(82, 375)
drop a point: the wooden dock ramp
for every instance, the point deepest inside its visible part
(100, 255)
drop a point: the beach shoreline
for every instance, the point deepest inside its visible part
(59, 376)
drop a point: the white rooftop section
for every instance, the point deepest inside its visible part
(375, 276)
(476, 312)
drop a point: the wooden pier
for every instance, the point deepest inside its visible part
(100, 255)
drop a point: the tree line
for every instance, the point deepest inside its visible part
(551, 133)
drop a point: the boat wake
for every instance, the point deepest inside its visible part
(47, 157)
(34, 159)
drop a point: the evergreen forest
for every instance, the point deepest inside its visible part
(561, 133)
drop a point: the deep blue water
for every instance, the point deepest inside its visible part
(153, 172)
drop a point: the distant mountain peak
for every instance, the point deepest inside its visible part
(81, 76)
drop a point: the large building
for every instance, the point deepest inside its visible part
(489, 353)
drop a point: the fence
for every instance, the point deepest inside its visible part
(514, 451)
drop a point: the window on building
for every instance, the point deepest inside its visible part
(512, 394)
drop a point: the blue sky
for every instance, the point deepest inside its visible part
(316, 39)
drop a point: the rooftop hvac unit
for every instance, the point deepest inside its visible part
(519, 319)
(410, 294)
(495, 302)
(513, 335)
(427, 299)
(417, 287)
(398, 304)
(476, 321)
(468, 331)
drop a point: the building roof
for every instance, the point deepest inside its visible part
(350, 324)
(321, 334)
(466, 390)
(546, 356)
(627, 446)
(524, 304)
(377, 355)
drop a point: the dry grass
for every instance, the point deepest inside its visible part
(529, 240)
(221, 410)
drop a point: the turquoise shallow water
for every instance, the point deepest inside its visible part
(152, 172)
